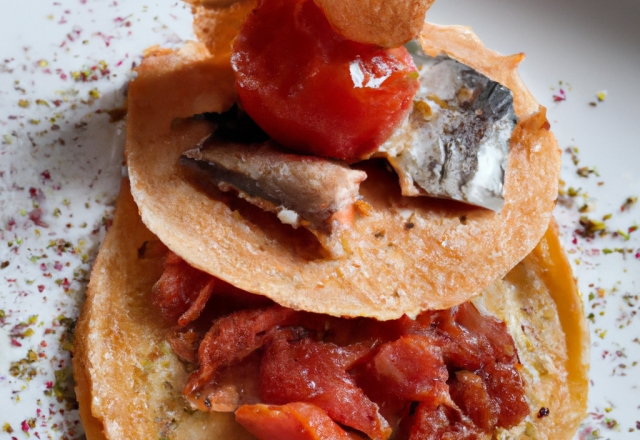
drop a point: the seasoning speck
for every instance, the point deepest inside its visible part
(544, 412)
(602, 95)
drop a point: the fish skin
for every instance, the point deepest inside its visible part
(274, 179)
(459, 150)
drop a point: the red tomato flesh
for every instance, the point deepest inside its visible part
(316, 372)
(313, 90)
(294, 421)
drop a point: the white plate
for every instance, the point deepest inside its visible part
(589, 46)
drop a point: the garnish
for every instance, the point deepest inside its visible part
(629, 203)
(591, 227)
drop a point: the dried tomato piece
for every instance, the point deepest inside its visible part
(231, 339)
(315, 372)
(472, 340)
(185, 343)
(294, 421)
(492, 333)
(438, 423)
(347, 331)
(491, 392)
(505, 387)
(408, 369)
(470, 394)
(313, 90)
(235, 385)
(182, 291)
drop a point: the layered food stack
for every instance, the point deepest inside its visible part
(337, 226)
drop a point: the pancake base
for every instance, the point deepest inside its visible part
(129, 382)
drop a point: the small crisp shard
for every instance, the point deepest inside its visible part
(313, 192)
(455, 142)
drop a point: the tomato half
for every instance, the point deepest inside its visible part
(313, 90)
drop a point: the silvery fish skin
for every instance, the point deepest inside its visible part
(307, 191)
(455, 142)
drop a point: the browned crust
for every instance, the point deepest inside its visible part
(122, 365)
(216, 25)
(554, 268)
(92, 426)
(387, 23)
(435, 262)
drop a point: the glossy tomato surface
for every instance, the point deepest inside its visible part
(314, 91)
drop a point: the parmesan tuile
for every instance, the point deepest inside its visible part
(386, 23)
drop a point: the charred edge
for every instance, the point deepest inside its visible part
(544, 412)
(142, 250)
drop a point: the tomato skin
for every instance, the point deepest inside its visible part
(314, 91)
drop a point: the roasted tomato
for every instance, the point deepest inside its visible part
(313, 90)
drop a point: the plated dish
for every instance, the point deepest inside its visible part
(232, 156)
(596, 421)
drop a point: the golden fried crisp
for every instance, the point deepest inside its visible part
(217, 26)
(129, 382)
(387, 23)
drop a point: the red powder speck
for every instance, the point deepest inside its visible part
(40, 288)
(57, 266)
(49, 385)
(638, 257)
(45, 175)
(560, 97)
(25, 426)
(15, 343)
(36, 217)
(43, 266)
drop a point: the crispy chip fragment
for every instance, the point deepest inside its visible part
(216, 23)
(387, 23)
